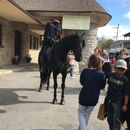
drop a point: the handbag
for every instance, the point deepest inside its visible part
(100, 114)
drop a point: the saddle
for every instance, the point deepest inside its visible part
(46, 55)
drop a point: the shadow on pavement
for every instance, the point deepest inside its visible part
(9, 97)
(2, 111)
(68, 90)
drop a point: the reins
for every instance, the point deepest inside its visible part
(66, 57)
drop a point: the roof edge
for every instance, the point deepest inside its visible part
(68, 11)
(15, 4)
(74, 12)
(127, 34)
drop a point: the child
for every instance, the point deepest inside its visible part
(95, 51)
(113, 62)
(117, 95)
(71, 59)
(92, 79)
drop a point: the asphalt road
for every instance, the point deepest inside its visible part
(22, 107)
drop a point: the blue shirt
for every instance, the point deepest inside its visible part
(92, 81)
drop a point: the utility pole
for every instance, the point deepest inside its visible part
(103, 38)
(116, 35)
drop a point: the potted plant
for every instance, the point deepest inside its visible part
(28, 58)
(16, 60)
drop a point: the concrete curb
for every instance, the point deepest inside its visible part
(3, 71)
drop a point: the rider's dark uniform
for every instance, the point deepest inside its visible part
(51, 36)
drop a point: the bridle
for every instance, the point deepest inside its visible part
(80, 46)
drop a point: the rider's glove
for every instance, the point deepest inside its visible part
(52, 41)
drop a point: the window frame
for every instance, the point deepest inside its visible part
(30, 42)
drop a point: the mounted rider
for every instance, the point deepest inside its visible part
(52, 31)
(51, 36)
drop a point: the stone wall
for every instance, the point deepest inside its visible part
(91, 43)
(8, 38)
(8, 35)
(6, 53)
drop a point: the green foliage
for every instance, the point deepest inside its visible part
(105, 44)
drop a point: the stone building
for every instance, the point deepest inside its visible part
(22, 23)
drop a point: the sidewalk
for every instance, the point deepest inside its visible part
(7, 69)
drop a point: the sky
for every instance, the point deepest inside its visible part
(120, 12)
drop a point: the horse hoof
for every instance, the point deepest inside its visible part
(62, 102)
(48, 88)
(54, 101)
(40, 90)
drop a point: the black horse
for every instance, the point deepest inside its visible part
(58, 62)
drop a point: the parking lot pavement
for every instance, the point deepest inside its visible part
(22, 107)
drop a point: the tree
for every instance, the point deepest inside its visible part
(109, 43)
(105, 44)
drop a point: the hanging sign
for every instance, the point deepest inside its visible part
(74, 22)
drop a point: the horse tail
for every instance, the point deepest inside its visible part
(39, 59)
(44, 76)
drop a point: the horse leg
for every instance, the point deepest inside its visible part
(48, 81)
(40, 88)
(62, 102)
(55, 87)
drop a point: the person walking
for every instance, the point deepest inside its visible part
(117, 95)
(71, 60)
(93, 80)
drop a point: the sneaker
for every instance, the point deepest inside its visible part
(73, 77)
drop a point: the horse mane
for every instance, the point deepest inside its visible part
(69, 37)
(67, 41)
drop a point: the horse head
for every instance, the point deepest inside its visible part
(79, 44)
